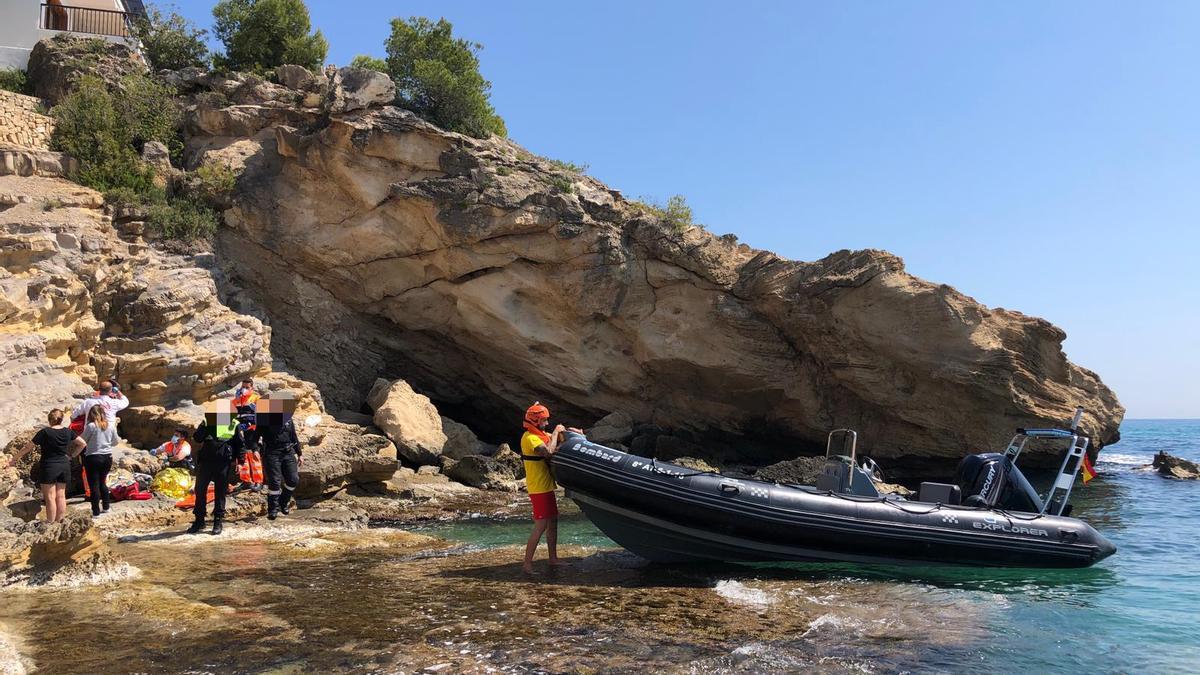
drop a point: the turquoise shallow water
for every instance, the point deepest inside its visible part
(1136, 611)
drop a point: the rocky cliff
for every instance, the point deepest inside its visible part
(375, 244)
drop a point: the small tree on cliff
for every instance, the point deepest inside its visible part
(261, 34)
(370, 63)
(169, 40)
(437, 76)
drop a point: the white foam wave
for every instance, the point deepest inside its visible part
(741, 594)
(1123, 459)
(833, 621)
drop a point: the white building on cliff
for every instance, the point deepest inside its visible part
(24, 22)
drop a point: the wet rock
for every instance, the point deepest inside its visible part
(1176, 467)
(37, 547)
(409, 419)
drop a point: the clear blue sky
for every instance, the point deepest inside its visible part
(1043, 157)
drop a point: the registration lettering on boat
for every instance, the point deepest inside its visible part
(994, 524)
(598, 452)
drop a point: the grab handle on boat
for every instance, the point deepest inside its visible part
(730, 488)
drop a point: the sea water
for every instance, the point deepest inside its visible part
(386, 601)
(1138, 610)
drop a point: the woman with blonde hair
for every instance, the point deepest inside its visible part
(101, 437)
(58, 444)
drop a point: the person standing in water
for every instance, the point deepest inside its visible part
(58, 444)
(536, 449)
(282, 454)
(219, 445)
(100, 435)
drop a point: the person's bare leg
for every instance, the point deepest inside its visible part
(539, 526)
(51, 501)
(552, 541)
(60, 495)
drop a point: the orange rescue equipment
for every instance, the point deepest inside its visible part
(190, 500)
(251, 469)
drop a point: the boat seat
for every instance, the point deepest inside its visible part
(834, 475)
(840, 475)
(939, 493)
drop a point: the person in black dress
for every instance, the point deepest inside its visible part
(58, 444)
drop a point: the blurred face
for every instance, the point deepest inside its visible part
(276, 410)
(219, 412)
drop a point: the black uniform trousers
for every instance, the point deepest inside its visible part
(283, 471)
(217, 474)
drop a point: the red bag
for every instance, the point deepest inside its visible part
(131, 491)
(78, 424)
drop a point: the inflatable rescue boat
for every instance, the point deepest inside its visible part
(990, 515)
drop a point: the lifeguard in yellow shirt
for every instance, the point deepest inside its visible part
(536, 448)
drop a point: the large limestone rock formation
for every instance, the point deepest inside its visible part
(82, 298)
(80, 302)
(377, 244)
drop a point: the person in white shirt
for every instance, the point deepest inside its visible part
(108, 396)
(177, 451)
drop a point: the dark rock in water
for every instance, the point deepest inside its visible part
(799, 471)
(1175, 467)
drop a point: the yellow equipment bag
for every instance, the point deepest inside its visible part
(173, 483)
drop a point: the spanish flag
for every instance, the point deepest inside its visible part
(1089, 471)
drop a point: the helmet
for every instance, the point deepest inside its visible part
(537, 414)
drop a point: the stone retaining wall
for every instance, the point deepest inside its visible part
(21, 123)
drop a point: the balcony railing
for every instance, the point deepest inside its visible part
(85, 20)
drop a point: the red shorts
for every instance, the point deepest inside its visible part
(545, 505)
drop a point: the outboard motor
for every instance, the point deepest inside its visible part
(992, 480)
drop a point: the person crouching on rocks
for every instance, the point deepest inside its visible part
(58, 444)
(177, 452)
(282, 455)
(536, 449)
(221, 446)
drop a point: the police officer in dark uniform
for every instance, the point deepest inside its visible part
(219, 446)
(282, 455)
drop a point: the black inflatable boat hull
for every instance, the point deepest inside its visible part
(668, 513)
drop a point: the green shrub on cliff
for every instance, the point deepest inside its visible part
(182, 218)
(89, 127)
(169, 40)
(437, 76)
(260, 35)
(370, 63)
(675, 214)
(104, 129)
(14, 80)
